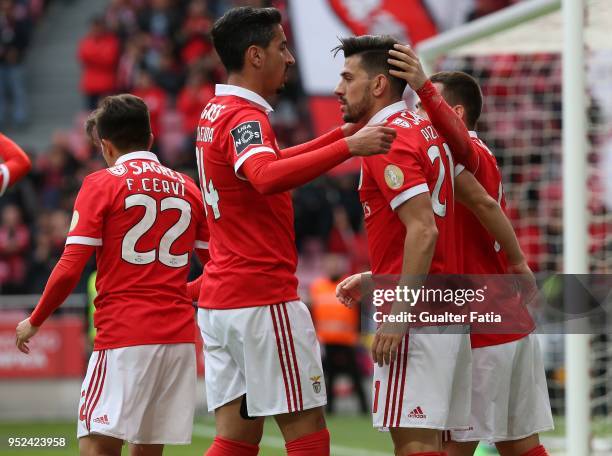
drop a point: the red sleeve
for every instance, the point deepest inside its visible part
(61, 282)
(91, 205)
(449, 125)
(270, 175)
(399, 174)
(16, 163)
(324, 140)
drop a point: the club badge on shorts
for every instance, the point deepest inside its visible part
(394, 177)
(316, 383)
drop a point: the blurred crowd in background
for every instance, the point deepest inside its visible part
(161, 51)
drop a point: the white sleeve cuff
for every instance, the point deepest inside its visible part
(201, 245)
(459, 169)
(407, 194)
(83, 240)
(250, 153)
(6, 176)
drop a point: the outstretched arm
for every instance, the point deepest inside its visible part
(16, 163)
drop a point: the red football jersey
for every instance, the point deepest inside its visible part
(253, 257)
(145, 220)
(419, 161)
(480, 253)
(5, 177)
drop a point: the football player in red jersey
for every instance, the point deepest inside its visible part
(402, 216)
(261, 352)
(15, 163)
(512, 410)
(143, 221)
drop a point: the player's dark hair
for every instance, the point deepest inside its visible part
(374, 52)
(124, 121)
(460, 88)
(239, 28)
(90, 125)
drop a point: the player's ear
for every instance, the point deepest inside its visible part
(459, 110)
(254, 55)
(379, 85)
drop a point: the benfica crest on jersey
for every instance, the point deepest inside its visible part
(316, 384)
(406, 20)
(118, 170)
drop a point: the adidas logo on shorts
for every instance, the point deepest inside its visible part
(417, 413)
(102, 420)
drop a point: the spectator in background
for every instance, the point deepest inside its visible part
(194, 33)
(194, 96)
(154, 97)
(14, 242)
(338, 330)
(14, 40)
(99, 57)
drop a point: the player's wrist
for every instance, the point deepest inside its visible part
(427, 90)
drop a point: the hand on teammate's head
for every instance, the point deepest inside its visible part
(407, 66)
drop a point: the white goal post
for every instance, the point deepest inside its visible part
(551, 26)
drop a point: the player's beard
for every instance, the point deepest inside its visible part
(355, 112)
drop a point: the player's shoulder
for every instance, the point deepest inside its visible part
(106, 176)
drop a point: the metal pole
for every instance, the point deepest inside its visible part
(575, 260)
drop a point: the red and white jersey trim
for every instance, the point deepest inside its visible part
(222, 90)
(201, 245)
(84, 240)
(6, 175)
(249, 154)
(407, 194)
(138, 155)
(388, 111)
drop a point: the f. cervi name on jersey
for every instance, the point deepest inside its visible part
(171, 182)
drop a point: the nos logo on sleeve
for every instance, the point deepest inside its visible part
(246, 134)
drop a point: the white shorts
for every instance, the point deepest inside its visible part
(143, 394)
(270, 353)
(428, 386)
(509, 393)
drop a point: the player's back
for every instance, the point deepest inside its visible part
(419, 161)
(480, 253)
(145, 220)
(253, 254)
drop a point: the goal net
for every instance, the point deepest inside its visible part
(519, 70)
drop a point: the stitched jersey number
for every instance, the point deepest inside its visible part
(131, 238)
(434, 153)
(209, 192)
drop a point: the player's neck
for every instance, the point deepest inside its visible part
(380, 104)
(253, 84)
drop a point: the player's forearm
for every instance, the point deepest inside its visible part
(449, 125)
(269, 175)
(62, 281)
(324, 140)
(15, 159)
(419, 248)
(492, 217)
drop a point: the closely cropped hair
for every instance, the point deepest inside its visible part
(240, 28)
(374, 52)
(124, 121)
(461, 89)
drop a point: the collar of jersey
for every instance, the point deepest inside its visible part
(222, 90)
(387, 112)
(138, 155)
(473, 134)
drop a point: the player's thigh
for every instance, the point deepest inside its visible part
(99, 445)
(299, 424)
(452, 448)
(517, 447)
(232, 425)
(415, 440)
(146, 450)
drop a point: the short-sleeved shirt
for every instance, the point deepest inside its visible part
(145, 220)
(481, 254)
(419, 161)
(253, 257)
